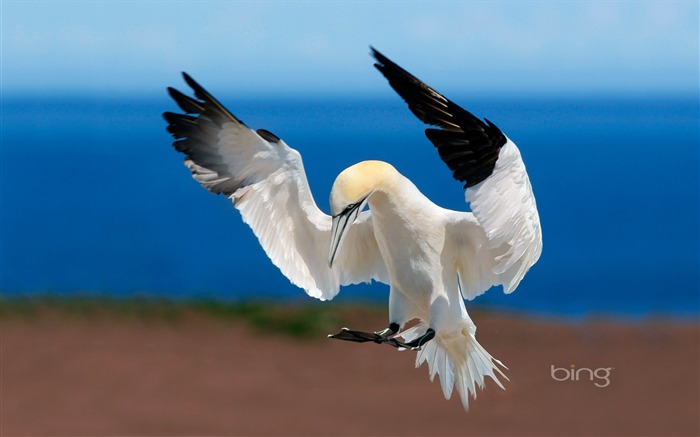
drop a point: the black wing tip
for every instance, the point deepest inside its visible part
(379, 57)
(178, 95)
(171, 117)
(207, 102)
(390, 69)
(173, 93)
(376, 54)
(191, 82)
(198, 89)
(386, 65)
(185, 102)
(469, 146)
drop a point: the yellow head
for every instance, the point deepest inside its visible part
(356, 183)
(351, 191)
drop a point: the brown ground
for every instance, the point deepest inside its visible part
(205, 376)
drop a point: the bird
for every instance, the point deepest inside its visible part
(381, 227)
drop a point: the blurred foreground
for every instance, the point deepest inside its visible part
(86, 367)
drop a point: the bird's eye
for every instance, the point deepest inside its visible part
(351, 206)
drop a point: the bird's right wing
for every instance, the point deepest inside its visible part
(266, 181)
(506, 209)
(497, 185)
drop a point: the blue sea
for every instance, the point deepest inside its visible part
(95, 200)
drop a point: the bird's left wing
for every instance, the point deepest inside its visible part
(266, 181)
(497, 185)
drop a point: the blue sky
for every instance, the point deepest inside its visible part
(287, 48)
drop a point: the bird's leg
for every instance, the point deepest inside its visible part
(362, 337)
(413, 344)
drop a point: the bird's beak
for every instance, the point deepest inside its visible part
(341, 223)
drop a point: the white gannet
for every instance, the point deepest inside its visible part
(432, 258)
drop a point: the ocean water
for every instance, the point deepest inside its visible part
(95, 200)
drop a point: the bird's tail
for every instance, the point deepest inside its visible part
(458, 359)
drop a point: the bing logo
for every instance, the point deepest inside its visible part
(600, 376)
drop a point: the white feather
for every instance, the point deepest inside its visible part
(295, 234)
(458, 359)
(506, 209)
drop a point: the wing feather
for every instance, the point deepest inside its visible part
(505, 207)
(502, 239)
(468, 145)
(266, 181)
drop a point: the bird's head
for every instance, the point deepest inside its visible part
(351, 191)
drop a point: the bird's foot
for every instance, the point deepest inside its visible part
(357, 336)
(362, 337)
(414, 344)
(383, 336)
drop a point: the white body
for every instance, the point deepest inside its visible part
(419, 255)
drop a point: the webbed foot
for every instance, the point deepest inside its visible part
(357, 336)
(382, 336)
(415, 344)
(362, 337)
